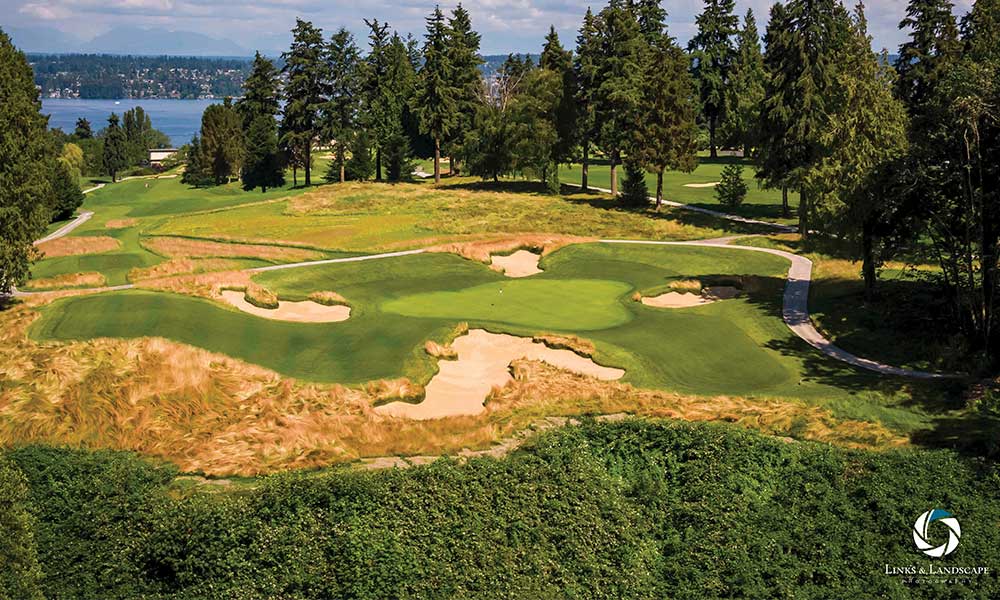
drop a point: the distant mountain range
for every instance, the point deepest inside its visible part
(134, 41)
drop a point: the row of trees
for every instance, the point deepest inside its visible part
(36, 187)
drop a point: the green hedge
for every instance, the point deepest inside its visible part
(624, 510)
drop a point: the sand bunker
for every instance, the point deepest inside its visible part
(701, 185)
(461, 386)
(519, 264)
(302, 312)
(681, 300)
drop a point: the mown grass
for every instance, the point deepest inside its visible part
(760, 203)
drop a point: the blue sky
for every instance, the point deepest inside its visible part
(506, 25)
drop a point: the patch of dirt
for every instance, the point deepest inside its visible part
(73, 246)
(121, 223)
(461, 386)
(67, 281)
(188, 248)
(519, 264)
(306, 311)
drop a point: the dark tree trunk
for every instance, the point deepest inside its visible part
(803, 214)
(713, 152)
(308, 165)
(868, 260)
(585, 167)
(378, 163)
(340, 157)
(295, 176)
(437, 160)
(614, 174)
(785, 212)
(659, 189)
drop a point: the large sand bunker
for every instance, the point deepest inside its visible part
(462, 386)
(302, 312)
(681, 300)
(519, 264)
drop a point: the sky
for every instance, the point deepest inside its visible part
(505, 25)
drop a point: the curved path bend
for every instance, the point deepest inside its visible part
(795, 302)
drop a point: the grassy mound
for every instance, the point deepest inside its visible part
(604, 510)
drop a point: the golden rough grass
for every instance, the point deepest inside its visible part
(204, 285)
(686, 285)
(543, 389)
(567, 342)
(441, 351)
(260, 296)
(327, 298)
(89, 279)
(481, 250)
(182, 266)
(72, 246)
(207, 412)
(121, 223)
(188, 248)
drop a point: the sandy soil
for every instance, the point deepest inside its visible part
(303, 312)
(462, 386)
(682, 300)
(701, 185)
(519, 264)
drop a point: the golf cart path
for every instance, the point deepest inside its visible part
(68, 227)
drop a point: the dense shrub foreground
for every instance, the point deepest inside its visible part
(625, 510)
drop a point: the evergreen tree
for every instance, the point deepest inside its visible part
(83, 130)
(866, 136)
(746, 87)
(712, 56)
(619, 79)
(463, 56)
(261, 92)
(436, 99)
(25, 190)
(804, 42)
(67, 194)
(398, 161)
(732, 190)
(652, 18)
(634, 191)
(340, 114)
(138, 128)
(222, 141)
(666, 134)
(263, 166)
(196, 172)
(360, 166)
(585, 71)
(306, 73)
(533, 134)
(115, 148)
(560, 61)
(933, 46)
(377, 115)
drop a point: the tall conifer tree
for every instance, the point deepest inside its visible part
(340, 113)
(712, 56)
(436, 99)
(560, 61)
(463, 55)
(115, 157)
(306, 72)
(933, 47)
(585, 70)
(746, 88)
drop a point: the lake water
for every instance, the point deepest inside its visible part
(179, 119)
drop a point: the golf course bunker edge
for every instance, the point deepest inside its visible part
(522, 263)
(462, 386)
(306, 311)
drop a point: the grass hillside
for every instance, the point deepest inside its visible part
(603, 510)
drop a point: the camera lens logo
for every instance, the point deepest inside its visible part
(924, 522)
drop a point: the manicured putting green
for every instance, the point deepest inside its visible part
(563, 304)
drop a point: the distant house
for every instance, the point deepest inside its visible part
(158, 155)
